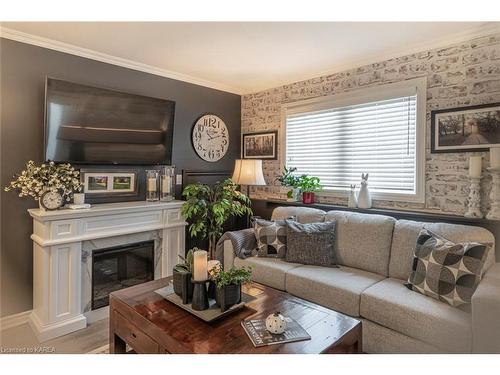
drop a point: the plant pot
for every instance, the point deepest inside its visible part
(307, 197)
(183, 286)
(293, 195)
(228, 296)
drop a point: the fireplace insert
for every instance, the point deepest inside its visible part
(119, 267)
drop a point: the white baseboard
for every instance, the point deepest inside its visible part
(14, 320)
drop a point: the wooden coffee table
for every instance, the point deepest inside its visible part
(150, 324)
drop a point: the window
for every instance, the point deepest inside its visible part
(379, 131)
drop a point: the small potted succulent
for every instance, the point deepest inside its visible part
(229, 286)
(309, 185)
(182, 274)
(289, 180)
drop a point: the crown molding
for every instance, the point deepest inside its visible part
(71, 49)
(489, 28)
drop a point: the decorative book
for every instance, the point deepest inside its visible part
(260, 336)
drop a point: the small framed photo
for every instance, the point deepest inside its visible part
(474, 128)
(260, 145)
(109, 182)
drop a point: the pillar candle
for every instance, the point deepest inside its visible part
(475, 166)
(151, 184)
(200, 265)
(495, 157)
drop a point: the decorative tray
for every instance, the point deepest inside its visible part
(211, 314)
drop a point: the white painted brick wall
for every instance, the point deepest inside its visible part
(464, 74)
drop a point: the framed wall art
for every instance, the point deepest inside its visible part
(474, 128)
(260, 145)
(109, 183)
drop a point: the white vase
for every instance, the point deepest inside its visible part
(353, 200)
(364, 197)
(79, 198)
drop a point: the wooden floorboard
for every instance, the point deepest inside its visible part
(92, 339)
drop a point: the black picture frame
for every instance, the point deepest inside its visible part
(246, 136)
(437, 147)
(134, 193)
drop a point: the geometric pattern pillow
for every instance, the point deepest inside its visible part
(271, 238)
(445, 270)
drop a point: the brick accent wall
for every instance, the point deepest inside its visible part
(462, 74)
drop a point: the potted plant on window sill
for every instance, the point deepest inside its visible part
(287, 179)
(182, 275)
(229, 286)
(309, 185)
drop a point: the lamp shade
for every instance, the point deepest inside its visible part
(248, 172)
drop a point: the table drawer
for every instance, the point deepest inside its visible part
(133, 336)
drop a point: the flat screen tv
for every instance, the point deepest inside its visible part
(92, 125)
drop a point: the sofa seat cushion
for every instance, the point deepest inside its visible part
(267, 271)
(336, 288)
(363, 240)
(392, 305)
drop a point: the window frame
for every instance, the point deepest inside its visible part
(365, 95)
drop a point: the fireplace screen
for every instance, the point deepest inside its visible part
(120, 267)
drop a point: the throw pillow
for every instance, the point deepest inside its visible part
(311, 244)
(444, 270)
(271, 238)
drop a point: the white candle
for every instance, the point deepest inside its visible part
(475, 166)
(151, 184)
(200, 265)
(165, 185)
(495, 157)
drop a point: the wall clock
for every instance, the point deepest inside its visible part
(210, 138)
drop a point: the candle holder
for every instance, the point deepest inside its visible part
(200, 295)
(152, 185)
(494, 213)
(474, 205)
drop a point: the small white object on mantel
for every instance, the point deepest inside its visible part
(78, 206)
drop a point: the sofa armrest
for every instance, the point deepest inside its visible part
(233, 244)
(486, 313)
(228, 255)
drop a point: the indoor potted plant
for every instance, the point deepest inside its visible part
(208, 208)
(289, 180)
(36, 180)
(309, 185)
(229, 286)
(182, 275)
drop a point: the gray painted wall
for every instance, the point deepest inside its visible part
(23, 71)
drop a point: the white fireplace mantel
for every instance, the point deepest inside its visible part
(57, 254)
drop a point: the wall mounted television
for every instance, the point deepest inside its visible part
(92, 125)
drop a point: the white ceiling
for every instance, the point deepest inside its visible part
(243, 57)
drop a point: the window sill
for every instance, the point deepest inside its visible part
(380, 196)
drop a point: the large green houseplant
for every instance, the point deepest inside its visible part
(208, 208)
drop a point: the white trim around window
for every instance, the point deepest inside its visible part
(413, 89)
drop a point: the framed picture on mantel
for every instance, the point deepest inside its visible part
(260, 145)
(474, 128)
(104, 182)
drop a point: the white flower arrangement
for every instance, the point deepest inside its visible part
(35, 180)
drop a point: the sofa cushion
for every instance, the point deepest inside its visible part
(404, 239)
(271, 238)
(267, 271)
(363, 240)
(310, 243)
(392, 305)
(466, 233)
(444, 270)
(336, 288)
(303, 215)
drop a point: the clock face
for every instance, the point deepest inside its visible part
(210, 138)
(52, 200)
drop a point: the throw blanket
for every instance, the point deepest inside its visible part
(243, 243)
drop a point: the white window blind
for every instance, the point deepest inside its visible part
(338, 144)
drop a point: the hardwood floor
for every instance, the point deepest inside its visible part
(93, 339)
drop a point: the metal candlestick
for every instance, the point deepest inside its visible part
(494, 213)
(200, 295)
(474, 206)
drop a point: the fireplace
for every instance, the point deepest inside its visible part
(119, 267)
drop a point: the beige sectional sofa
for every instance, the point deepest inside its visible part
(375, 253)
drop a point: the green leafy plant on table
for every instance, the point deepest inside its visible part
(208, 208)
(235, 276)
(187, 264)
